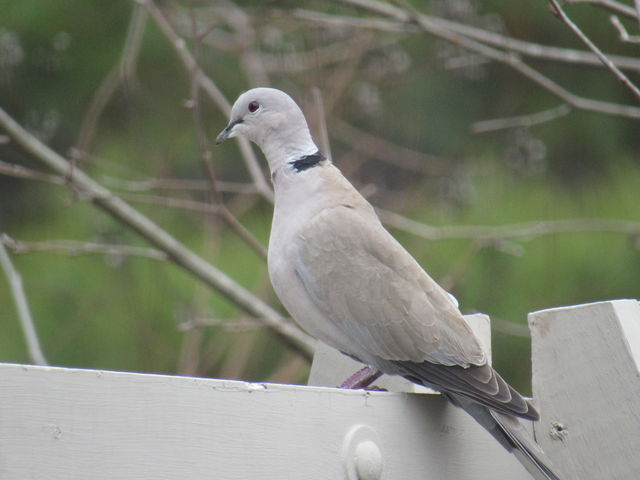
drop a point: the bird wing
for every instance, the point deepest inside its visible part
(376, 294)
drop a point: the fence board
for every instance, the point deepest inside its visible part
(70, 424)
(586, 380)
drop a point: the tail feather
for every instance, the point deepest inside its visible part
(512, 435)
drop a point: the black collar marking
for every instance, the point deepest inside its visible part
(308, 161)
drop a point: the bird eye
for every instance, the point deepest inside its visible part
(253, 106)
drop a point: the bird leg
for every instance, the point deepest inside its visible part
(361, 379)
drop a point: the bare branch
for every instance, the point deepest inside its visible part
(321, 122)
(613, 6)
(521, 120)
(18, 171)
(524, 231)
(206, 157)
(74, 248)
(176, 251)
(592, 46)
(535, 50)
(322, 56)
(213, 92)
(250, 60)
(510, 328)
(239, 325)
(218, 210)
(177, 184)
(622, 31)
(212, 209)
(22, 306)
(388, 152)
(427, 25)
(123, 70)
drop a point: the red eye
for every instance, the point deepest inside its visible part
(253, 106)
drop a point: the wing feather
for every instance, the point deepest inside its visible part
(373, 290)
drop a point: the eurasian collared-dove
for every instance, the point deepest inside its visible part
(350, 284)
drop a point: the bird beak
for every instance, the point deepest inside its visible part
(227, 132)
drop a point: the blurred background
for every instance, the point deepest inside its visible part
(514, 199)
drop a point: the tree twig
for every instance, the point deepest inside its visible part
(177, 184)
(437, 28)
(22, 307)
(611, 5)
(560, 13)
(122, 70)
(388, 152)
(524, 231)
(212, 91)
(216, 209)
(176, 251)
(207, 162)
(321, 122)
(399, 24)
(528, 71)
(622, 31)
(521, 120)
(18, 171)
(72, 247)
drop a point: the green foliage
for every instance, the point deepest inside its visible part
(124, 312)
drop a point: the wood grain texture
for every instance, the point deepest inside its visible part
(586, 382)
(70, 424)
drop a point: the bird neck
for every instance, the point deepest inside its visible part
(291, 153)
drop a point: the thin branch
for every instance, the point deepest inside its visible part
(240, 325)
(206, 157)
(185, 204)
(321, 122)
(178, 184)
(611, 5)
(389, 152)
(459, 270)
(176, 251)
(22, 306)
(510, 328)
(399, 25)
(323, 56)
(251, 61)
(208, 208)
(122, 70)
(622, 31)
(74, 248)
(435, 28)
(523, 232)
(212, 91)
(18, 171)
(560, 13)
(521, 120)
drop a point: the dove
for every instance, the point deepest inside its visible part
(349, 283)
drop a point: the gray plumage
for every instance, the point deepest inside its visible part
(349, 283)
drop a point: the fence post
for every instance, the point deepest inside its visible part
(586, 365)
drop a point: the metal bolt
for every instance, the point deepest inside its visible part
(368, 461)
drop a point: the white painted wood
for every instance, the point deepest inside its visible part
(80, 424)
(331, 368)
(586, 381)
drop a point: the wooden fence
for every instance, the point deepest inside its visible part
(59, 423)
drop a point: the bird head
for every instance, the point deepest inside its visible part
(271, 119)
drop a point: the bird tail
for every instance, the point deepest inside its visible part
(512, 435)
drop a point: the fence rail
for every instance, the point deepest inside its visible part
(58, 423)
